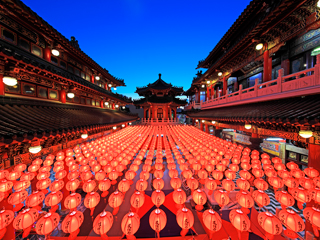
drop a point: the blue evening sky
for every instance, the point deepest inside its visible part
(138, 39)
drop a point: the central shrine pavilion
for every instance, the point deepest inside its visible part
(160, 101)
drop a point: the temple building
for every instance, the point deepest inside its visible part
(160, 101)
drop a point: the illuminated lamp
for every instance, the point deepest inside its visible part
(97, 78)
(247, 126)
(55, 52)
(35, 147)
(84, 135)
(70, 95)
(110, 85)
(202, 85)
(208, 82)
(259, 46)
(213, 122)
(106, 103)
(219, 74)
(197, 120)
(114, 128)
(318, 4)
(123, 125)
(130, 123)
(10, 81)
(115, 88)
(202, 121)
(316, 51)
(117, 106)
(305, 133)
(123, 107)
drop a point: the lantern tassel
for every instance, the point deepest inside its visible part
(26, 231)
(17, 207)
(239, 234)
(158, 234)
(131, 237)
(315, 230)
(54, 208)
(105, 193)
(115, 211)
(269, 236)
(3, 232)
(74, 234)
(300, 205)
(104, 236)
(92, 210)
(184, 232)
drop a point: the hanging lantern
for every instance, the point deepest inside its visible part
(200, 198)
(175, 182)
(221, 197)
(20, 167)
(284, 198)
(35, 199)
(312, 215)
(158, 197)
(25, 220)
(137, 200)
(72, 201)
(243, 184)
(157, 220)
(86, 175)
(261, 198)
(130, 224)
(192, 183)
(211, 185)
(72, 185)
(291, 182)
(270, 224)
(301, 195)
(91, 201)
(141, 185)
(311, 172)
(292, 165)
(113, 175)
(212, 221)
(292, 221)
(102, 224)
(228, 185)
(115, 200)
(315, 194)
(124, 185)
(145, 175)
(307, 183)
(21, 185)
(3, 174)
(275, 182)
(17, 198)
(72, 223)
(13, 175)
(245, 201)
(43, 184)
(297, 173)
(43, 175)
(56, 185)
(47, 223)
(27, 176)
(53, 199)
(245, 174)
(185, 220)
(89, 186)
(230, 174)
(240, 221)
(6, 217)
(179, 197)
(104, 186)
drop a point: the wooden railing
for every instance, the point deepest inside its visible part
(193, 105)
(159, 121)
(296, 84)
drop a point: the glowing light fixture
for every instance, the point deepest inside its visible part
(106, 103)
(70, 95)
(318, 4)
(213, 122)
(123, 107)
(305, 133)
(10, 81)
(123, 125)
(208, 82)
(117, 106)
(315, 51)
(219, 74)
(202, 85)
(202, 121)
(197, 120)
(130, 123)
(97, 78)
(55, 52)
(114, 128)
(35, 149)
(247, 126)
(84, 135)
(259, 46)
(115, 88)
(109, 85)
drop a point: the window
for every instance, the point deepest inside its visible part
(97, 103)
(70, 69)
(53, 94)
(88, 77)
(93, 103)
(88, 101)
(36, 50)
(69, 99)
(76, 99)
(275, 72)
(42, 92)
(252, 79)
(77, 72)
(28, 89)
(82, 100)
(297, 65)
(24, 44)
(54, 60)
(63, 65)
(83, 75)
(13, 89)
(9, 36)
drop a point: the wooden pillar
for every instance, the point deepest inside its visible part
(201, 125)
(101, 104)
(285, 64)
(224, 86)
(165, 113)
(206, 128)
(175, 112)
(155, 112)
(63, 96)
(47, 54)
(2, 87)
(144, 113)
(169, 111)
(92, 79)
(267, 69)
(208, 93)
(198, 96)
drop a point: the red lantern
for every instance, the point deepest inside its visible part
(144, 175)
(258, 172)
(297, 173)
(261, 198)
(130, 224)
(124, 185)
(212, 221)
(311, 172)
(222, 197)
(292, 221)
(179, 197)
(27, 176)
(89, 186)
(306, 183)
(43, 184)
(20, 167)
(137, 200)
(6, 217)
(86, 175)
(53, 199)
(72, 223)
(245, 201)
(158, 197)
(47, 223)
(72, 201)
(230, 174)
(56, 185)
(200, 198)
(157, 220)
(115, 200)
(21, 185)
(192, 183)
(292, 165)
(260, 184)
(315, 195)
(228, 185)
(99, 176)
(25, 220)
(35, 199)
(185, 220)
(211, 185)
(61, 174)
(284, 198)
(301, 195)
(141, 185)
(239, 220)
(3, 174)
(270, 224)
(102, 224)
(158, 183)
(173, 173)
(113, 175)
(175, 183)
(245, 174)
(13, 175)
(72, 185)
(91, 201)
(217, 175)
(243, 184)
(104, 186)
(312, 215)
(276, 182)
(17, 198)
(291, 182)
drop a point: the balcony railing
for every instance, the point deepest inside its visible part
(159, 121)
(297, 84)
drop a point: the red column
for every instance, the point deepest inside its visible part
(47, 54)
(101, 104)
(92, 79)
(208, 93)
(10, 234)
(224, 86)
(113, 106)
(267, 69)
(198, 97)
(285, 64)
(255, 135)
(2, 88)
(144, 113)
(201, 125)
(206, 127)
(63, 97)
(106, 86)
(193, 121)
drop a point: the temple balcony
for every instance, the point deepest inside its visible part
(157, 121)
(301, 83)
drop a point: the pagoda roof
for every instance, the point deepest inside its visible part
(156, 99)
(159, 85)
